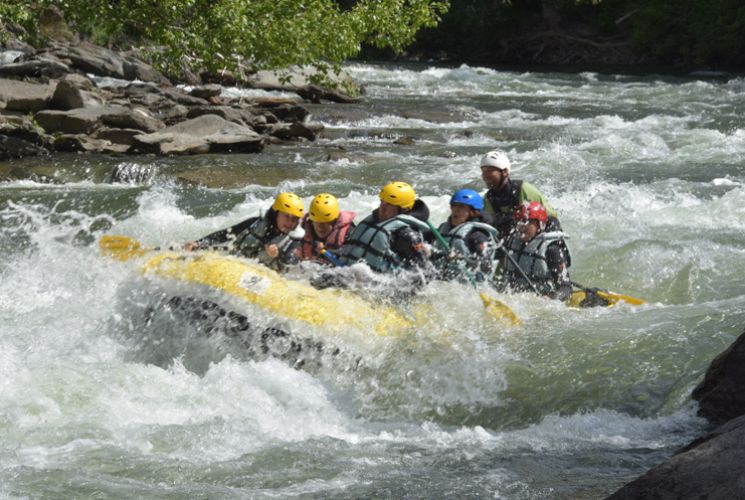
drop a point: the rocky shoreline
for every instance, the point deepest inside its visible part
(73, 96)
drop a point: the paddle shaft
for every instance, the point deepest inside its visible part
(331, 257)
(520, 270)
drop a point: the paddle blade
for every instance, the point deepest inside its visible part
(594, 297)
(618, 297)
(500, 311)
(120, 247)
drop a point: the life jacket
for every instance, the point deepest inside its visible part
(333, 241)
(502, 202)
(371, 242)
(456, 240)
(531, 257)
(252, 241)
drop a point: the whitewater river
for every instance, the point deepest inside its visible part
(647, 174)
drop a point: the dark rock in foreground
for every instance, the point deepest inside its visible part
(721, 395)
(711, 467)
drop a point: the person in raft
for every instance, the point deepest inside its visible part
(471, 239)
(268, 237)
(326, 228)
(392, 237)
(535, 256)
(504, 194)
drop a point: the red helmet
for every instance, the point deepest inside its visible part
(531, 210)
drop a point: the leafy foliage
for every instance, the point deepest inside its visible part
(247, 34)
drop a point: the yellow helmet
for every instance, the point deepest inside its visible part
(399, 194)
(324, 208)
(289, 203)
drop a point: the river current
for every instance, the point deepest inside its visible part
(647, 174)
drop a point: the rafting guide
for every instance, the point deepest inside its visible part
(504, 195)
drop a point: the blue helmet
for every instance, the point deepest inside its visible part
(468, 197)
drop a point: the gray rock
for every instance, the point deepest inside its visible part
(290, 113)
(67, 96)
(101, 61)
(294, 79)
(24, 97)
(17, 147)
(721, 395)
(206, 91)
(236, 115)
(117, 135)
(83, 143)
(314, 93)
(137, 118)
(85, 120)
(711, 468)
(293, 131)
(75, 121)
(208, 133)
(35, 68)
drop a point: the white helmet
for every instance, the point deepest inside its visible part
(496, 159)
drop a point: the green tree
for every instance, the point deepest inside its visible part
(254, 34)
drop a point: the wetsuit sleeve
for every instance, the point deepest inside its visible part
(477, 242)
(558, 265)
(529, 192)
(481, 248)
(409, 246)
(290, 254)
(225, 237)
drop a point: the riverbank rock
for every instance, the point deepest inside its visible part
(78, 94)
(78, 116)
(711, 466)
(204, 134)
(721, 395)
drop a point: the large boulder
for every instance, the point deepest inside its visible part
(721, 395)
(86, 120)
(301, 80)
(204, 134)
(19, 137)
(90, 58)
(23, 96)
(710, 467)
(42, 67)
(73, 91)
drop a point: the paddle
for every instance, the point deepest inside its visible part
(495, 307)
(603, 294)
(611, 297)
(520, 270)
(330, 256)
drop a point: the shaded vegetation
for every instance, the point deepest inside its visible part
(676, 33)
